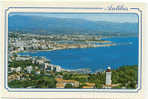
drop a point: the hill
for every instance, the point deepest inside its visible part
(37, 24)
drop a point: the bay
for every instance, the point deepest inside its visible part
(96, 59)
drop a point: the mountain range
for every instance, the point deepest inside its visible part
(38, 24)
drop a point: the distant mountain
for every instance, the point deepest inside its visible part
(37, 24)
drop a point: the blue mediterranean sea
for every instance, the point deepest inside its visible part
(95, 59)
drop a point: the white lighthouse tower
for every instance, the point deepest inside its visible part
(108, 77)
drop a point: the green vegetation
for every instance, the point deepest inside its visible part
(126, 76)
(22, 64)
(98, 79)
(68, 86)
(36, 81)
(123, 77)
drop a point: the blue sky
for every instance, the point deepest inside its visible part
(131, 18)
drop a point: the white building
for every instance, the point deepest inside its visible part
(29, 69)
(46, 65)
(44, 47)
(12, 69)
(22, 58)
(21, 48)
(18, 69)
(58, 68)
(19, 43)
(39, 61)
(51, 66)
(108, 76)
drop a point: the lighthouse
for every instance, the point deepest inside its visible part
(108, 77)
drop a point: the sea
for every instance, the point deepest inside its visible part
(96, 59)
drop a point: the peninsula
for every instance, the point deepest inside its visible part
(19, 42)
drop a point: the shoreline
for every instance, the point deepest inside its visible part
(72, 70)
(56, 49)
(105, 45)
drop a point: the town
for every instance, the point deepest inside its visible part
(39, 72)
(32, 42)
(23, 68)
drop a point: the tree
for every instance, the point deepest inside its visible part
(46, 82)
(68, 86)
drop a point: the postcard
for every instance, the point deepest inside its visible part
(72, 50)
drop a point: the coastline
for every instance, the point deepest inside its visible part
(83, 66)
(104, 45)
